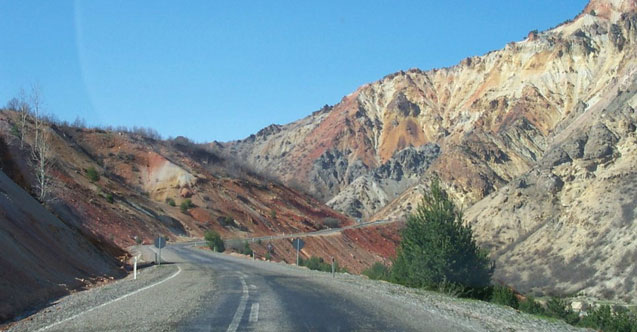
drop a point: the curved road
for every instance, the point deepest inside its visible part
(205, 291)
(322, 232)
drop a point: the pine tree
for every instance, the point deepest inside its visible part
(437, 249)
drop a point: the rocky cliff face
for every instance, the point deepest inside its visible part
(550, 111)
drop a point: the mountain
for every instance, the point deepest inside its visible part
(535, 141)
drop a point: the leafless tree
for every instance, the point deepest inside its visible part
(23, 111)
(41, 149)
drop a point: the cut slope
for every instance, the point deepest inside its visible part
(42, 257)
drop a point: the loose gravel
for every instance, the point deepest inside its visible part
(77, 303)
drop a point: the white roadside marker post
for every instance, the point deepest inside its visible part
(332, 266)
(135, 269)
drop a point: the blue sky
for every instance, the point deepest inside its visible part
(217, 70)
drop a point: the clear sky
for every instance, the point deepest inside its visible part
(222, 70)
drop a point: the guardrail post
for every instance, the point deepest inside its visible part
(332, 266)
(135, 269)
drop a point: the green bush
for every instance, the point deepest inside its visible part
(603, 318)
(109, 198)
(246, 249)
(268, 256)
(92, 175)
(560, 308)
(214, 241)
(331, 222)
(504, 295)
(225, 221)
(437, 247)
(185, 205)
(15, 131)
(530, 306)
(318, 264)
(378, 271)
(170, 201)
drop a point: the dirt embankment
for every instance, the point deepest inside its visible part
(42, 257)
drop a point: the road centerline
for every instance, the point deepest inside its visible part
(254, 313)
(234, 325)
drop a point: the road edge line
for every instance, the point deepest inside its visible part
(109, 302)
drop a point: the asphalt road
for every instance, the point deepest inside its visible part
(204, 291)
(322, 232)
(198, 290)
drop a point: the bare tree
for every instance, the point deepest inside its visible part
(24, 111)
(41, 149)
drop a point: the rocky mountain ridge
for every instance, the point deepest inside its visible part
(496, 119)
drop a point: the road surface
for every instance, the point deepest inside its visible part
(322, 232)
(199, 290)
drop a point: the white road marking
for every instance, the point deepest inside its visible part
(111, 301)
(254, 313)
(236, 320)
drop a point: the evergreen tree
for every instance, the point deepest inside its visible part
(436, 248)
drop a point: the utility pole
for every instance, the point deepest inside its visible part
(297, 252)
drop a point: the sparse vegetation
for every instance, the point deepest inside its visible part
(378, 271)
(214, 241)
(530, 306)
(331, 222)
(225, 221)
(246, 250)
(505, 296)
(605, 319)
(92, 175)
(15, 131)
(318, 264)
(170, 201)
(185, 205)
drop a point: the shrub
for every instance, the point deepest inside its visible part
(331, 222)
(559, 308)
(436, 247)
(318, 264)
(109, 198)
(246, 249)
(268, 256)
(531, 306)
(15, 131)
(504, 295)
(225, 221)
(214, 241)
(378, 271)
(185, 205)
(92, 175)
(604, 319)
(170, 201)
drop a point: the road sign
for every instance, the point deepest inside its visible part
(298, 244)
(160, 242)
